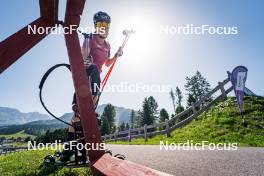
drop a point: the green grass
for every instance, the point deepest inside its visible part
(17, 144)
(20, 134)
(29, 163)
(16, 135)
(221, 124)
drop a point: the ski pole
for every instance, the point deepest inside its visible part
(127, 34)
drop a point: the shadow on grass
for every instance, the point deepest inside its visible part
(48, 169)
(52, 169)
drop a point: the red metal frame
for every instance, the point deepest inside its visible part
(12, 48)
(112, 166)
(19, 43)
(84, 98)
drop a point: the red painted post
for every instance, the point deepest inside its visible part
(49, 10)
(12, 48)
(111, 166)
(84, 98)
(102, 164)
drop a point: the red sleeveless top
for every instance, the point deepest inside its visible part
(98, 53)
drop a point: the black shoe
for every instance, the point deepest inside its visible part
(66, 154)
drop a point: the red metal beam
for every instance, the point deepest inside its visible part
(19, 43)
(102, 164)
(49, 10)
(12, 48)
(82, 88)
(111, 166)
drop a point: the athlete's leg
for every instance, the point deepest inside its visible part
(95, 80)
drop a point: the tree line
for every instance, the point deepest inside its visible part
(196, 86)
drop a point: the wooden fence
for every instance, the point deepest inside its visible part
(168, 126)
(7, 150)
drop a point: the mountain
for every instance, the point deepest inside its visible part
(11, 116)
(13, 121)
(122, 115)
(66, 117)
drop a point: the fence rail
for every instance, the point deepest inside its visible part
(168, 126)
(8, 150)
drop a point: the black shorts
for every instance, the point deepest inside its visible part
(93, 75)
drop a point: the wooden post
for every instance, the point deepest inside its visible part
(129, 134)
(222, 90)
(108, 165)
(82, 87)
(194, 109)
(167, 128)
(145, 133)
(22, 41)
(116, 133)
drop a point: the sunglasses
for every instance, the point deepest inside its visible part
(102, 24)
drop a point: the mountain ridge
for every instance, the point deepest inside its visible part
(12, 116)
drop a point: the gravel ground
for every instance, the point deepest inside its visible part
(243, 161)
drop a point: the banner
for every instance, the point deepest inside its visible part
(238, 78)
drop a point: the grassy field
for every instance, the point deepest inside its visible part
(20, 134)
(221, 124)
(16, 135)
(29, 163)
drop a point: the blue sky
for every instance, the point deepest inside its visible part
(149, 57)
